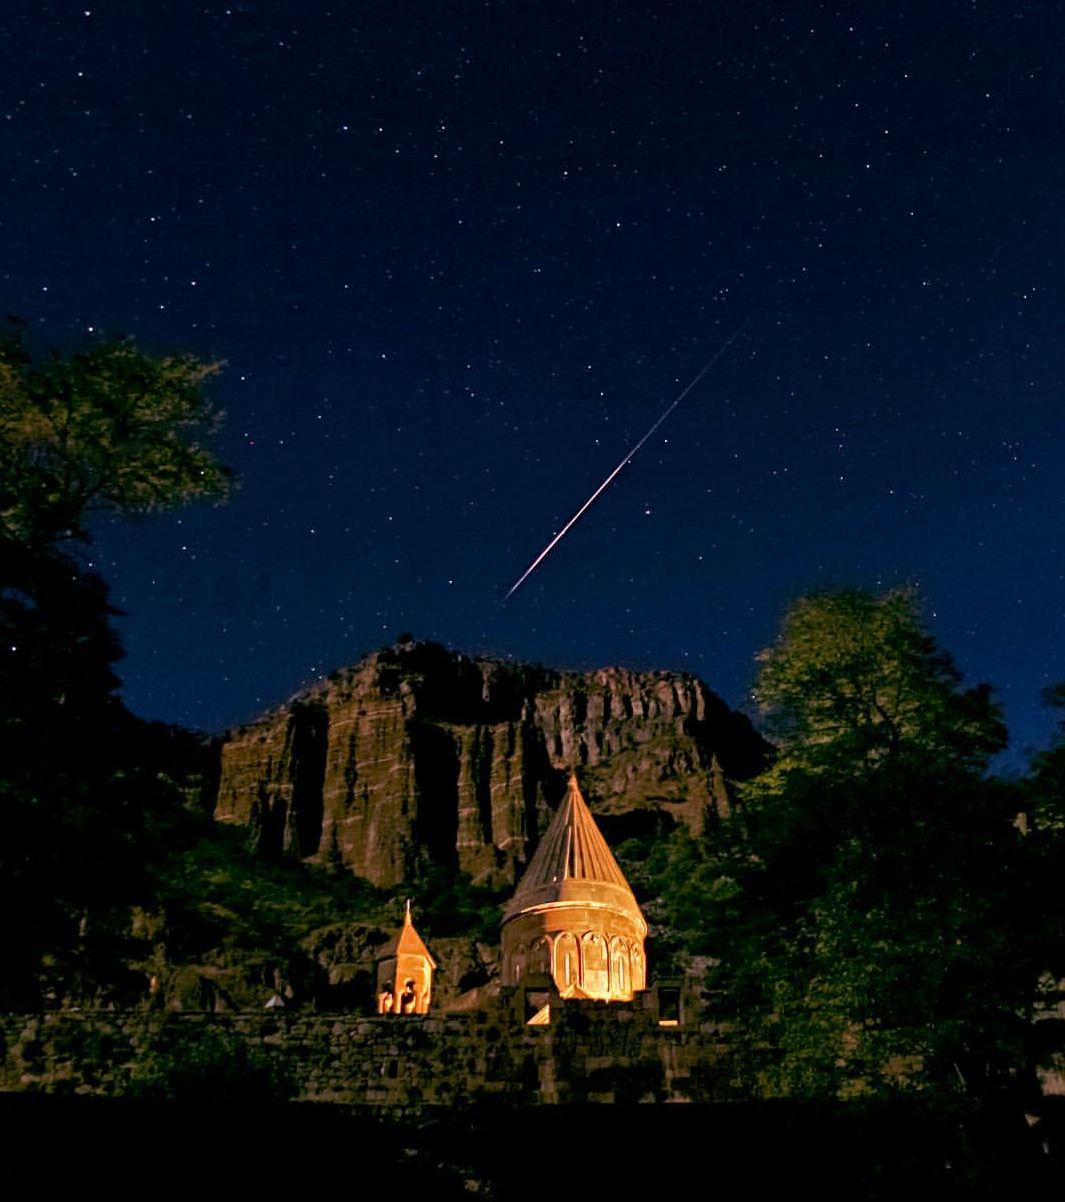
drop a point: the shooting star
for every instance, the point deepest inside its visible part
(609, 480)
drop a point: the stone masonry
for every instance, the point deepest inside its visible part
(591, 1052)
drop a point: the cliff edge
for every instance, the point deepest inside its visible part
(419, 754)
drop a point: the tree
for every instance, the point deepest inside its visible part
(1044, 821)
(106, 426)
(854, 681)
(867, 938)
(1045, 793)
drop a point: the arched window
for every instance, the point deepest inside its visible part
(408, 999)
(620, 968)
(567, 963)
(596, 976)
(540, 956)
(639, 971)
(517, 964)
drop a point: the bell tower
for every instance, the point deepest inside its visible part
(404, 972)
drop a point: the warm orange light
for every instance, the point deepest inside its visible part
(404, 973)
(573, 916)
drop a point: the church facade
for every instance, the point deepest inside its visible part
(573, 921)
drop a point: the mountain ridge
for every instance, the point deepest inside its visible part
(418, 754)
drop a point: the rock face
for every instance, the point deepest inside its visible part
(418, 754)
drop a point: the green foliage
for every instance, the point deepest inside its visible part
(106, 426)
(227, 918)
(870, 935)
(1045, 788)
(447, 902)
(85, 786)
(679, 882)
(218, 895)
(207, 1065)
(854, 681)
(1043, 806)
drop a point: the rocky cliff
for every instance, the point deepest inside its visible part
(418, 754)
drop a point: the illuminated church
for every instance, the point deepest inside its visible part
(573, 916)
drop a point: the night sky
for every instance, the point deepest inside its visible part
(459, 257)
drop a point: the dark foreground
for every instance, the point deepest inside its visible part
(762, 1149)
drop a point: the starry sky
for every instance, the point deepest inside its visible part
(459, 257)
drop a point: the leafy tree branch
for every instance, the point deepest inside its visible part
(103, 427)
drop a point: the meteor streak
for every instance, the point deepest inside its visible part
(606, 483)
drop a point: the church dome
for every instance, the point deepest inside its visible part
(573, 915)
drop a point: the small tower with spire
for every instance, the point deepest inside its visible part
(573, 916)
(404, 972)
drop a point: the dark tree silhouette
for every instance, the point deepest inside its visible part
(867, 912)
(105, 426)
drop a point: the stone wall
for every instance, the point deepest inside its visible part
(590, 1052)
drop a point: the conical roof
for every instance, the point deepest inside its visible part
(574, 865)
(407, 942)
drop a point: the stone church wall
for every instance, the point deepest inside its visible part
(590, 1052)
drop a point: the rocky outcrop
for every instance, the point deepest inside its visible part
(418, 754)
